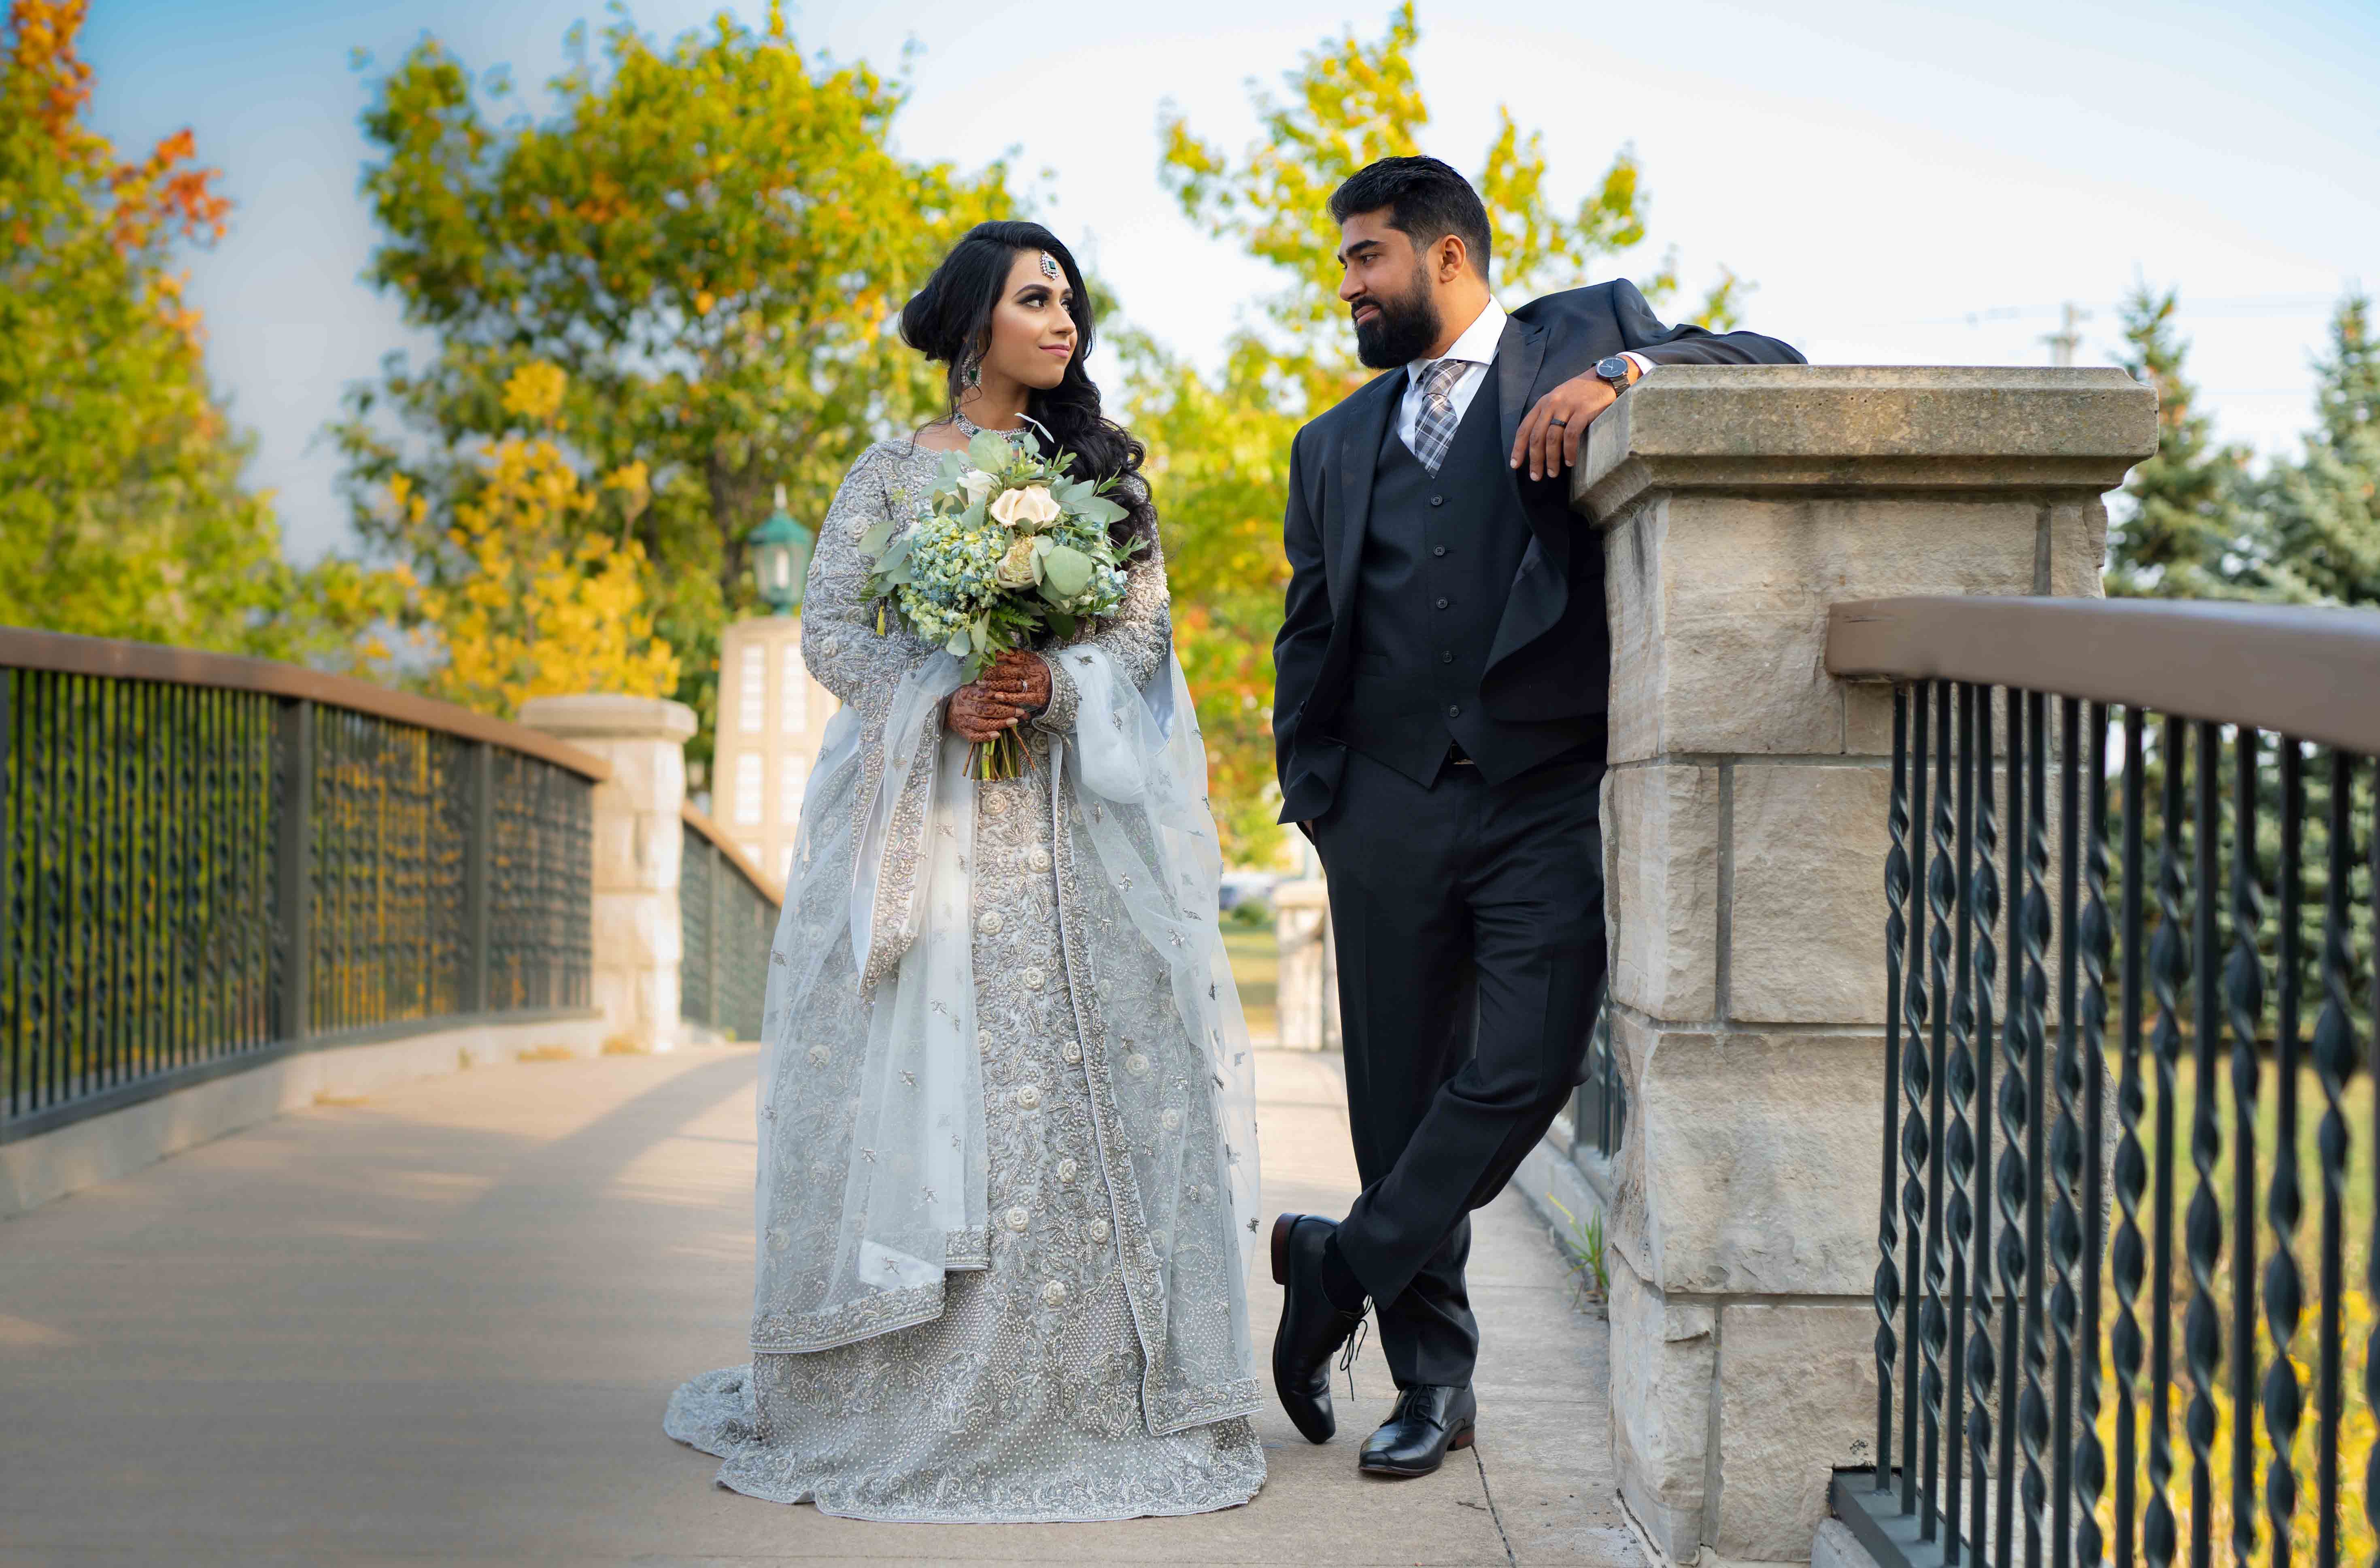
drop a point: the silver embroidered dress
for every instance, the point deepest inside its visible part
(1007, 1178)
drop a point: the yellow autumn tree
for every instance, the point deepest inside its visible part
(532, 604)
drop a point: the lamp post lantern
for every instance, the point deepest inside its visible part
(780, 559)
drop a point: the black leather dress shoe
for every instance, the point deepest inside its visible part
(1311, 1326)
(1429, 1418)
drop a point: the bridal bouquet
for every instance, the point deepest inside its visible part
(1005, 551)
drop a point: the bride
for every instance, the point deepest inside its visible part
(1007, 1166)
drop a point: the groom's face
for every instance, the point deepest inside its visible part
(1387, 291)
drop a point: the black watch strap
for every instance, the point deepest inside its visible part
(1614, 369)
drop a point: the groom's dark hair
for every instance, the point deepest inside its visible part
(1425, 199)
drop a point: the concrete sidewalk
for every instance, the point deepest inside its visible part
(440, 1326)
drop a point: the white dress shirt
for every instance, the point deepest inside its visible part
(1476, 349)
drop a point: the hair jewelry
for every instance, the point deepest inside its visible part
(1049, 266)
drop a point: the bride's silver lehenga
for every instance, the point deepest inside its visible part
(1007, 1197)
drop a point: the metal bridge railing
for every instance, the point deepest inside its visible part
(727, 916)
(207, 861)
(2124, 1284)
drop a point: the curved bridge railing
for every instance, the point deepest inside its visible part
(207, 861)
(2124, 1286)
(727, 917)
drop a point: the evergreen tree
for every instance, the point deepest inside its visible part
(2187, 536)
(2324, 509)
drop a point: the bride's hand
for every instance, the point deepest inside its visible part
(1016, 686)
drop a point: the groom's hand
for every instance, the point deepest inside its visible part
(1549, 436)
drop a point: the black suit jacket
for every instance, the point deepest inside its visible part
(1551, 657)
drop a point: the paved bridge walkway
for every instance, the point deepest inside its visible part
(439, 1326)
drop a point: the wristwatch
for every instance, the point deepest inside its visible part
(1615, 371)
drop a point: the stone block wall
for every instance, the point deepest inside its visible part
(1745, 815)
(639, 842)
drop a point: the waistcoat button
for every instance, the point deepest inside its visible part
(1440, 551)
(1445, 657)
(1441, 603)
(1454, 710)
(1438, 500)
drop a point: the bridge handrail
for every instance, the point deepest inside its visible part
(767, 887)
(64, 654)
(2297, 671)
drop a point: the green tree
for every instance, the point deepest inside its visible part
(2187, 532)
(2324, 510)
(709, 238)
(1219, 444)
(122, 512)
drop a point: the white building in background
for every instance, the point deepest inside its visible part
(773, 714)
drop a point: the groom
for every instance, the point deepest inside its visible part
(1439, 720)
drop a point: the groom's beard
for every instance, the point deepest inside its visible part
(1404, 330)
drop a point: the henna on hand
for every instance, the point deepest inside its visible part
(1022, 678)
(979, 714)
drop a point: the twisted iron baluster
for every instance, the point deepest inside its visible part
(1916, 1077)
(2372, 1257)
(2334, 1063)
(2129, 1253)
(2283, 1289)
(2168, 973)
(2243, 995)
(1959, 1157)
(1984, 885)
(1887, 1234)
(2065, 1171)
(2089, 1458)
(2202, 1341)
(1941, 893)
(2032, 941)
(2015, 1113)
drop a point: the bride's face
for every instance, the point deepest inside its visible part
(1032, 327)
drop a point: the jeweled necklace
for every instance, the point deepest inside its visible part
(970, 430)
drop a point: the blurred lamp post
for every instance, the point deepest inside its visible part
(780, 559)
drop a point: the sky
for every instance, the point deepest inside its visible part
(1904, 183)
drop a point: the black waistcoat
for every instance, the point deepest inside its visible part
(1439, 555)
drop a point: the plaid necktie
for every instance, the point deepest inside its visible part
(1433, 431)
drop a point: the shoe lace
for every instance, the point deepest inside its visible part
(1354, 1343)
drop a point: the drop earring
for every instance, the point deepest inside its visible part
(974, 377)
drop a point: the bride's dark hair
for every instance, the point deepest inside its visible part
(949, 320)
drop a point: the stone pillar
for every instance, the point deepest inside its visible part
(772, 716)
(639, 842)
(1746, 833)
(1305, 997)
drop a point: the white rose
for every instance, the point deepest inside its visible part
(1015, 570)
(976, 484)
(1033, 504)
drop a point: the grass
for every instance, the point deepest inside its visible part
(1582, 1246)
(1255, 968)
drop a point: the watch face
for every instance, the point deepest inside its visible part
(1615, 369)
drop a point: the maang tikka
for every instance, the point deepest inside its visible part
(1049, 266)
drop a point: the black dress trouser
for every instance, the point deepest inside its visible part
(1469, 923)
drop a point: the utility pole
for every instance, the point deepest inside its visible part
(2068, 338)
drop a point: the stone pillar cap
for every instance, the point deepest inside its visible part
(600, 716)
(1851, 427)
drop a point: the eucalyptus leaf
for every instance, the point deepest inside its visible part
(873, 542)
(1061, 623)
(1101, 510)
(991, 452)
(1067, 569)
(959, 643)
